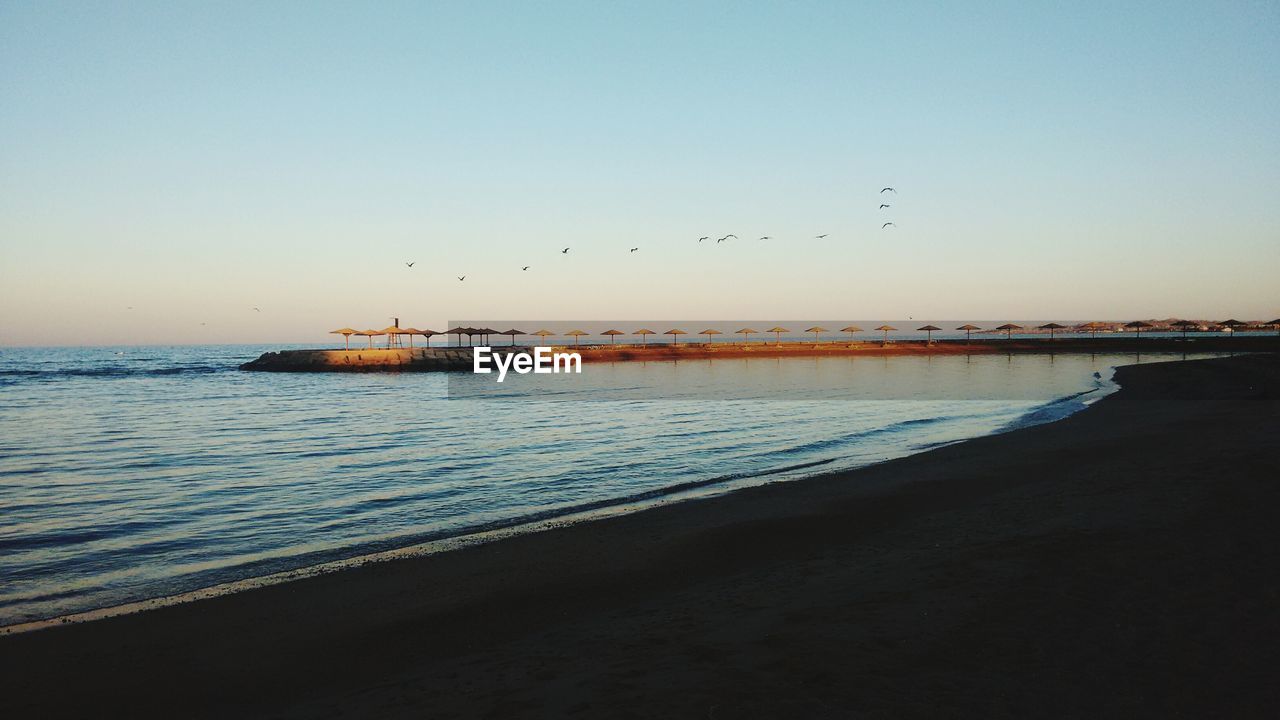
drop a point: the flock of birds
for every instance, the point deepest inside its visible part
(725, 238)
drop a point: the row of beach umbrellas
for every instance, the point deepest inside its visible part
(393, 332)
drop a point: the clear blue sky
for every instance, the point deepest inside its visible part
(192, 161)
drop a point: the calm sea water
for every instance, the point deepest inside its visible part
(128, 473)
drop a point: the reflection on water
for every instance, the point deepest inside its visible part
(135, 472)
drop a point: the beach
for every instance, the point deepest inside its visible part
(1122, 562)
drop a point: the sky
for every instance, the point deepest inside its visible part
(165, 168)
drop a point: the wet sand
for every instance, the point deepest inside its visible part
(1123, 562)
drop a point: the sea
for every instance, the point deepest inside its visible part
(129, 473)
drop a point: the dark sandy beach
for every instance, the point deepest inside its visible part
(1123, 562)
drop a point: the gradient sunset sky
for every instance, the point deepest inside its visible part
(194, 161)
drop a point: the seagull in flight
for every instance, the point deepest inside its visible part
(257, 310)
(411, 264)
(820, 236)
(526, 267)
(765, 237)
(883, 206)
(460, 279)
(564, 251)
(888, 189)
(704, 237)
(887, 225)
(634, 249)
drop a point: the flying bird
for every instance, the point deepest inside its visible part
(765, 237)
(704, 237)
(887, 225)
(464, 277)
(885, 190)
(564, 251)
(412, 263)
(883, 206)
(819, 236)
(634, 249)
(257, 310)
(526, 267)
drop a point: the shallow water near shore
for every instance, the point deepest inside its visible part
(129, 473)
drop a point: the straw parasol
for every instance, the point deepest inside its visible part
(393, 333)
(612, 334)
(1052, 327)
(371, 334)
(1008, 329)
(675, 335)
(1183, 325)
(744, 332)
(816, 332)
(1137, 326)
(643, 333)
(575, 334)
(968, 330)
(485, 333)
(459, 331)
(543, 334)
(1275, 324)
(513, 333)
(851, 330)
(1092, 327)
(929, 330)
(709, 332)
(346, 334)
(886, 329)
(1231, 325)
(777, 334)
(410, 331)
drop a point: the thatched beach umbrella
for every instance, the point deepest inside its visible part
(644, 333)
(371, 334)
(346, 334)
(816, 332)
(851, 329)
(543, 334)
(709, 332)
(968, 330)
(575, 334)
(1184, 326)
(886, 329)
(1008, 329)
(459, 331)
(1092, 327)
(1231, 325)
(744, 332)
(513, 333)
(1275, 324)
(675, 335)
(393, 333)
(777, 334)
(410, 331)
(612, 334)
(1137, 326)
(928, 329)
(1052, 327)
(484, 333)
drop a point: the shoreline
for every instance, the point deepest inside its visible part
(1012, 568)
